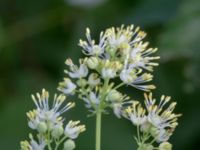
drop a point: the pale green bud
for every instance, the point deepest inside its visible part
(82, 82)
(165, 146)
(114, 95)
(69, 145)
(42, 127)
(92, 62)
(111, 51)
(154, 131)
(57, 131)
(145, 147)
(145, 127)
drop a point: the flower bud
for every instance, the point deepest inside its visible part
(145, 127)
(111, 51)
(57, 131)
(82, 82)
(145, 147)
(92, 62)
(114, 95)
(93, 79)
(165, 146)
(42, 127)
(154, 131)
(69, 145)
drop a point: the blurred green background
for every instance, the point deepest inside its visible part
(37, 36)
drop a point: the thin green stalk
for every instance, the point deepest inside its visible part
(98, 131)
(49, 145)
(58, 143)
(138, 134)
(49, 141)
(98, 116)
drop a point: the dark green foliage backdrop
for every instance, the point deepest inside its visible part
(37, 36)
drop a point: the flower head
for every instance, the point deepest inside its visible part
(72, 129)
(75, 71)
(134, 78)
(90, 47)
(159, 117)
(33, 145)
(136, 113)
(164, 121)
(67, 86)
(46, 113)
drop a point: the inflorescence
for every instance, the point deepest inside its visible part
(49, 124)
(120, 54)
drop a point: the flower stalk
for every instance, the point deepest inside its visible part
(98, 131)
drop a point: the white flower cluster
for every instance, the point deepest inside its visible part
(48, 123)
(120, 53)
(153, 122)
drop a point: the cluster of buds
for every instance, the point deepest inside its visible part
(120, 53)
(49, 124)
(154, 124)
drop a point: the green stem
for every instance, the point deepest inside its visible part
(98, 115)
(98, 130)
(119, 85)
(49, 145)
(138, 134)
(58, 143)
(49, 140)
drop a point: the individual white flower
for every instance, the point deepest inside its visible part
(163, 135)
(45, 113)
(90, 47)
(37, 146)
(124, 37)
(72, 129)
(33, 145)
(92, 100)
(157, 116)
(75, 71)
(136, 113)
(127, 76)
(140, 56)
(108, 73)
(67, 86)
(117, 109)
(134, 78)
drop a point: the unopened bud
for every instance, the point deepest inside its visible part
(92, 62)
(165, 146)
(42, 127)
(114, 95)
(145, 147)
(145, 127)
(82, 82)
(154, 131)
(69, 145)
(57, 131)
